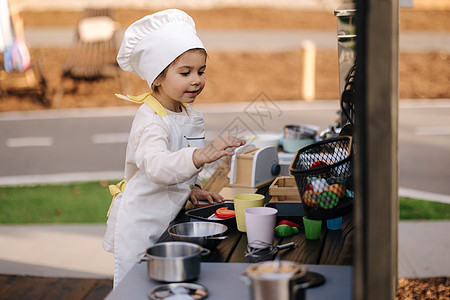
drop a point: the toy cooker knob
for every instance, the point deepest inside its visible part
(275, 169)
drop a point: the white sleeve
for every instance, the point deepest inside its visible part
(162, 166)
(199, 182)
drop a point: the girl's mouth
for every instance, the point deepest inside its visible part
(192, 93)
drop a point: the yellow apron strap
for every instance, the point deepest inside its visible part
(114, 190)
(148, 99)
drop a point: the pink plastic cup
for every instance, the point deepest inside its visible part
(260, 225)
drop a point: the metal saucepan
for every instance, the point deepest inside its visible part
(205, 234)
(281, 280)
(174, 261)
(297, 132)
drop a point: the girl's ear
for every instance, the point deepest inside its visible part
(155, 86)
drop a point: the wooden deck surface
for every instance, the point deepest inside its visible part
(14, 287)
(335, 247)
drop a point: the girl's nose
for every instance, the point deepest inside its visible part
(196, 80)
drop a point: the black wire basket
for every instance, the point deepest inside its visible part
(323, 172)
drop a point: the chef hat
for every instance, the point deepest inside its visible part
(153, 42)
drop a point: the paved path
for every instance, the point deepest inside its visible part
(75, 250)
(55, 251)
(423, 249)
(35, 146)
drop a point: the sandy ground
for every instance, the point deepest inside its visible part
(241, 76)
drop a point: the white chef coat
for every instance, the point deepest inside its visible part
(159, 173)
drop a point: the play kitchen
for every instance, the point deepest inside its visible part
(280, 237)
(271, 258)
(286, 230)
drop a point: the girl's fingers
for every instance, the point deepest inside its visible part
(230, 141)
(210, 199)
(217, 197)
(227, 152)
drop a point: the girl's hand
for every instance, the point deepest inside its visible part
(198, 194)
(216, 150)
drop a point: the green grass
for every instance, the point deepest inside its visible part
(413, 209)
(89, 202)
(71, 203)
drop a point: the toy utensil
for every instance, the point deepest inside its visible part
(260, 251)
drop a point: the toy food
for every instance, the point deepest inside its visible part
(289, 223)
(320, 164)
(328, 200)
(338, 189)
(319, 185)
(285, 230)
(310, 198)
(224, 213)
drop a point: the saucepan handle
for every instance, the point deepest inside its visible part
(144, 256)
(244, 277)
(301, 286)
(205, 252)
(217, 237)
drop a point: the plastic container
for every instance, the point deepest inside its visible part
(241, 203)
(260, 225)
(313, 228)
(334, 224)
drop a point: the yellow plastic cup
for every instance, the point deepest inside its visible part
(241, 203)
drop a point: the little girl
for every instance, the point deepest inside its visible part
(165, 151)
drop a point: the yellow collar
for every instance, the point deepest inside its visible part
(148, 99)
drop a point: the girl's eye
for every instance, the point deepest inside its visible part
(185, 73)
